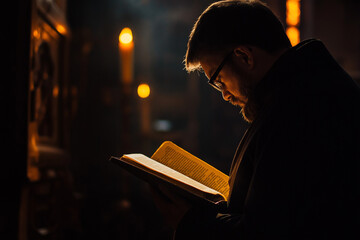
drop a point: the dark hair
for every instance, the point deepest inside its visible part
(227, 24)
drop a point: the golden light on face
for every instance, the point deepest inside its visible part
(143, 90)
(125, 36)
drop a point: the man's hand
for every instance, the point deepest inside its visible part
(172, 206)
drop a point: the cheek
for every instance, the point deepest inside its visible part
(234, 76)
(234, 85)
(242, 83)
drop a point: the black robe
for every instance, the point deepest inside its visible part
(295, 174)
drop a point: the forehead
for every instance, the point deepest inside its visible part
(209, 64)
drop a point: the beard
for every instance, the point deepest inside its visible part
(248, 116)
(236, 101)
(248, 110)
(244, 111)
(244, 90)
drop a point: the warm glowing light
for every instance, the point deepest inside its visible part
(36, 34)
(45, 36)
(294, 35)
(293, 21)
(126, 51)
(143, 90)
(61, 29)
(56, 91)
(292, 12)
(33, 144)
(126, 36)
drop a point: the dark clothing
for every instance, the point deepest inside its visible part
(295, 174)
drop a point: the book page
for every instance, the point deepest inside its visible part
(147, 164)
(182, 161)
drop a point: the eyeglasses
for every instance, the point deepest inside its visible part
(217, 85)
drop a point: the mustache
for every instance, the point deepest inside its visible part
(236, 102)
(233, 101)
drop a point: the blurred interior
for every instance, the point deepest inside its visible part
(70, 101)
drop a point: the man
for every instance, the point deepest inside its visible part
(295, 172)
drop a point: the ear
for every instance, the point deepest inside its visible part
(246, 55)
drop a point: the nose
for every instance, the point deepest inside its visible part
(226, 95)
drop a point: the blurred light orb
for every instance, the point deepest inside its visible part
(293, 34)
(293, 12)
(126, 36)
(61, 29)
(143, 90)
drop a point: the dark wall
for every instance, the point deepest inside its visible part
(14, 95)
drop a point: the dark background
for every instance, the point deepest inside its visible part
(77, 193)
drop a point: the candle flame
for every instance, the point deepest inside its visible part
(126, 36)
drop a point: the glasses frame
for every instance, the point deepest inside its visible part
(217, 72)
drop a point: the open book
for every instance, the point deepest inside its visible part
(177, 168)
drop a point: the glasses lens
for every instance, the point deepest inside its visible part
(217, 85)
